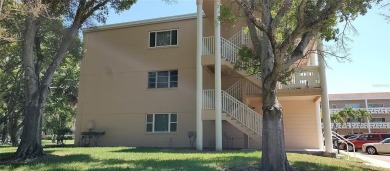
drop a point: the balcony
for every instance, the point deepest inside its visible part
(379, 110)
(373, 125)
(305, 77)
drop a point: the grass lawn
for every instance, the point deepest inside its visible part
(50, 143)
(128, 158)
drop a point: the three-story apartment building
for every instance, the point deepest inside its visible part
(170, 82)
(377, 104)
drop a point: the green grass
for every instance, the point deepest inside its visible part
(127, 158)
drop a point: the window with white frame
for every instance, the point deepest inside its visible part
(163, 79)
(161, 122)
(163, 38)
(375, 105)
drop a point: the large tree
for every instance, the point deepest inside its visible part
(74, 14)
(63, 95)
(289, 27)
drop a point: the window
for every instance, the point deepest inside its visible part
(363, 137)
(384, 136)
(334, 106)
(373, 137)
(352, 105)
(163, 38)
(161, 122)
(374, 105)
(353, 120)
(378, 120)
(163, 79)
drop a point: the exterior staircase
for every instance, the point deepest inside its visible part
(237, 113)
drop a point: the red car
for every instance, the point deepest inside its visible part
(364, 138)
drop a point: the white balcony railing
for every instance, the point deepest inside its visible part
(236, 109)
(373, 125)
(235, 90)
(306, 77)
(228, 49)
(381, 110)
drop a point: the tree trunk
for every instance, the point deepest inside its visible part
(273, 151)
(4, 132)
(30, 145)
(274, 156)
(11, 132)
(13, 129)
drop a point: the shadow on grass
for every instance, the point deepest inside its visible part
(5, 155)
(174, 150)
(86, 162)
(121, 161)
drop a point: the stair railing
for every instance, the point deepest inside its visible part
(236, 109)
(235, 90)
(346, 142)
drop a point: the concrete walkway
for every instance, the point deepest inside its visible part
(370, 160)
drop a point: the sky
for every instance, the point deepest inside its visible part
(368, 70)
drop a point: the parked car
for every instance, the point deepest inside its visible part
(364, 138)
(375, 148)
(339, 140)
(351, 136)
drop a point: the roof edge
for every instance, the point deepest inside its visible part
(142, 22)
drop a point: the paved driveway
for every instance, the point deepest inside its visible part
(382, 157)
(381, 160)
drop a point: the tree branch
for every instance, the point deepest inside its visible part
(314, 23)
(251, 17)
(301, 12)
(299, 50)
(92, 10)
(280, 14)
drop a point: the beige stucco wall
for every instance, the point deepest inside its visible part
(113, 86)
(300, 124)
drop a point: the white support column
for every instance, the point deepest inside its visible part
(218, 89)
(324, 99)
(368, 119)
(199, 74)
(319, 128)
(313, 57)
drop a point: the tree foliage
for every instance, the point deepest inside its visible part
(40, 62)
(60, 109)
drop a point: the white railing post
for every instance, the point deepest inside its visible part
(242, 33)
